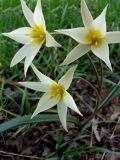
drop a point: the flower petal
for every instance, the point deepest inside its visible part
(62, 112)
(22, 53)
(86, 15)
(67, 78)
(69, 102)
(20, 35)
(44, 79)
(37, 86)
(76, 53)
(45, 103)
(78, 34)
(113, 37)
(27, 13)
(38, 15)
(33, 50)
(50, 41)
(100, 21)
(103, 53)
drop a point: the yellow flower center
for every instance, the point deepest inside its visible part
(57, 91)
(95, 38)
(38, 34)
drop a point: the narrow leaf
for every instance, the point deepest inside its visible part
(27, 120)
(111, 95)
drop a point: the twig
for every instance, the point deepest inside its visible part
(20, 155)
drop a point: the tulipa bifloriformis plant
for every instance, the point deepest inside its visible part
(93, 36)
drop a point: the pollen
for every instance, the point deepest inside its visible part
(38, 34)
(57, 91)
(94, 38)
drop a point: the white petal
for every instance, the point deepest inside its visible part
(62, 112)
(67, 78)
(42, 77)
(33, 50)
(78, 34)
(113, 37)
(27, 13)
(76, 53)
(37, 86)
(100, 21)
(103, 53)
(50, 41)
(45, 103)
(86, 15)
(69, 102)
(26, 49)
(20, 35)
(38, 15)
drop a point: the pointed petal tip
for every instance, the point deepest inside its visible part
(11, 64)
(66, 129)
(5, 34)
(22, 2)
(83, 4)
(62, 64)
(33, 115)
(75, 66)
(111, 69)
(59, 45)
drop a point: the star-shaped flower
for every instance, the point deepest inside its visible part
(32, 37)
(55, 93)
(93, 36)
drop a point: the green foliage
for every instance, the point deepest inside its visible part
(27, 120)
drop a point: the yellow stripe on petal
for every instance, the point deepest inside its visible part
(57, 91)
(38, 34)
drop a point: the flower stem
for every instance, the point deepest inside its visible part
(98, 93)
(86, 121)
(94, 68)
(101, 80)
(90, 84)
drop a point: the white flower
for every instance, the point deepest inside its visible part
(93, 37)
(55, 93)
(32, 37)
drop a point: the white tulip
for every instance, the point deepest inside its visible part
(93, 36)
(55, 94)
(32, 37)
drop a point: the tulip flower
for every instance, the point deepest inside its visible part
(93, 36)
(32, 37)
(55, 94)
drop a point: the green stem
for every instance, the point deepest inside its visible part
(86, 121)
(97, 94)
(101, 80)
(95, 70)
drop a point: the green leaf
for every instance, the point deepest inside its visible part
(27, 120)
(85, 149)
(112, 94)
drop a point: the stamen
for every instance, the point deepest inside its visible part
(94, 38)
(57, 91)
(38, 34)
